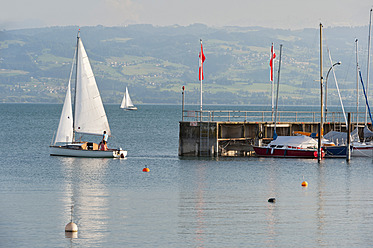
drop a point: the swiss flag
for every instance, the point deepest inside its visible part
(201, 60)
(273, 56)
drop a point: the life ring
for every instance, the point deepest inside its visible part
(260, 135)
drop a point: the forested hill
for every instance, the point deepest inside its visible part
(155, 62)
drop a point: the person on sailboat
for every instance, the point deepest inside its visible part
(103, 146)
(105, 137)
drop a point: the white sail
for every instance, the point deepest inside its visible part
(90, 116)
(127, 102)
(65, 127)
(124, 104)
(128, 99)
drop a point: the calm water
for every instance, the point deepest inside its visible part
(180, 202)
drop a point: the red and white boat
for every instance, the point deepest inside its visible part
(289, 147)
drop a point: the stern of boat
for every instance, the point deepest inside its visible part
(119, 153)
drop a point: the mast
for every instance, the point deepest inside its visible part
(368, 64)
(321, 129)
(201, 77)
(357, 85)
(76, 80)
(321, 84)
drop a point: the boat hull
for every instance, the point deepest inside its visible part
(335, 151)
(71, 152)
(362, 151)
(356, 151)
(130, 108)
(285, 153)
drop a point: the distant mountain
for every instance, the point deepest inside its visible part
(155, 62)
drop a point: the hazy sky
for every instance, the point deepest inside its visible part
(288, 14)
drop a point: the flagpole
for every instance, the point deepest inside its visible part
(201, 78)
(272, 83)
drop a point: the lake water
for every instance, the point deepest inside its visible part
(181, 202)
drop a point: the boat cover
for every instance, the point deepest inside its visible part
(296, 141)
(341, 137)
(367, 133)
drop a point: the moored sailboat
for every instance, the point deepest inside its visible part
(357, 148)
(287, 146)
(127, 102)
(89, 116)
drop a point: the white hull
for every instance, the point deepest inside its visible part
(130, 108)
(71, 152)
(362, 151)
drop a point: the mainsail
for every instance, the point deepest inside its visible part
(90, 116)
(65, 127)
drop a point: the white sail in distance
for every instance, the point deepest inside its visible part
(126, 102)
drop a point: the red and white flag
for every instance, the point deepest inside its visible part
(273, 56)
(201, 60)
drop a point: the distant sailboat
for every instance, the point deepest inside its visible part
(127, 102)
(89, 115)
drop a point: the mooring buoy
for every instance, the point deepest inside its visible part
(145, 169)
(71, 227)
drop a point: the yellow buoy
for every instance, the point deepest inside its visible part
(304, 184)
(145, 169)
(71, 227)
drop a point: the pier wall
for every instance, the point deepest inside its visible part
(215, 138)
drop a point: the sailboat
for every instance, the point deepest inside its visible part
(89, 116)
(126, 102)
(358, 149)
(287, 146)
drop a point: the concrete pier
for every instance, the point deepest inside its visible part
(206, 137)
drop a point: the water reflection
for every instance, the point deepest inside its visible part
(320, 213)
(71, 235)
(327, 194)
(192, 208)
(271, 208)
(85, 189)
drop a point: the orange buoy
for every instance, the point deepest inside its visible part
(304, 184)
(145, 169)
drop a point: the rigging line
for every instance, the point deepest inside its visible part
(368, 65)
(335, 79)
(336, 85)
(349, 64)
(366, 99)
(72, 65)
(307, 71)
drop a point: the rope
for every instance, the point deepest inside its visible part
(366, 99)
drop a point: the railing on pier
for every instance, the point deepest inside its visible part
(265, 116)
